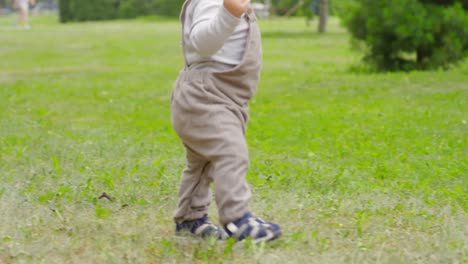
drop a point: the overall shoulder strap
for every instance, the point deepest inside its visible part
(250, 14)
(182, 21)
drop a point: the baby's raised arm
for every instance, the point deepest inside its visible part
(214, 22)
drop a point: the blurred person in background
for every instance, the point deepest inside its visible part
(23, 6)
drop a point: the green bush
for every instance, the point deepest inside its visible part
(410, 34)
(65, 14)
(169, 7)
(135, 8)
(85, 10)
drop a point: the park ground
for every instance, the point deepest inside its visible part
(357, 166)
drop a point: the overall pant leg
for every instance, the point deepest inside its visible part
(221, 142)
(194, 190)
(230, 165)
(220, 139)
(213, 131)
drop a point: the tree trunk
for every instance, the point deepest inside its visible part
(422, 57)
(323, 13)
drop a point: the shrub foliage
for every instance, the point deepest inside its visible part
(410, 34)
(85, 10)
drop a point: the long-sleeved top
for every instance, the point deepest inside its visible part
(212, 33)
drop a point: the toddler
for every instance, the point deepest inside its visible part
(209, 105)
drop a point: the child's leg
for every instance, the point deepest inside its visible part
(230, 164)
(231, 189)
(211, 125)
(194, 198)
(194, 190)
(218, 136)
(23, 16)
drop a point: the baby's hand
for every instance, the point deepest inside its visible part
(236, 7)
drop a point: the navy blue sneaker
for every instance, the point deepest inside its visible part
(253, 227)
(201, 228)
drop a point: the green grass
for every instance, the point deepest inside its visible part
(358, 167)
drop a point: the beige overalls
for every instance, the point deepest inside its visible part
(209, 113)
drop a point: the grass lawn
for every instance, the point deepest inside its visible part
(358, 167)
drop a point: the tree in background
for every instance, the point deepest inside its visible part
(323, 16)
(410, 34)
(311, 8)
